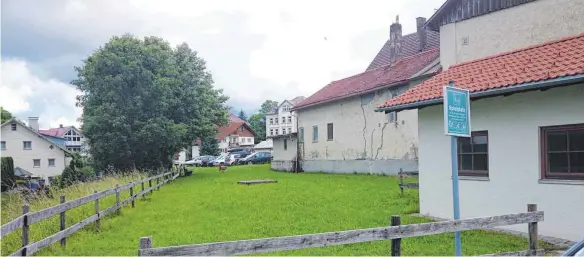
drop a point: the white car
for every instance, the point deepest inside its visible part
(196, 162)
(220, 159)
(226, 159)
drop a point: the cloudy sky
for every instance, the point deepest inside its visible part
(256, 49)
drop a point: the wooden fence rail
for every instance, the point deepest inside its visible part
(254, 246)
(29, 218)
(403, 185)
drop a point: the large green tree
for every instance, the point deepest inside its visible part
(209, 146)
(144, 100)
(258, 121)
(5, 115)
(242, 115)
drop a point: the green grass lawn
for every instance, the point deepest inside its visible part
(212, 207)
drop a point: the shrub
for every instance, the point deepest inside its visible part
(8, 177)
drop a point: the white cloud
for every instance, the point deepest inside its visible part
(20, 90)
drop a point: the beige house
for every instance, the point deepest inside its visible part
(31, 151)
(338, 130)
(523, 63)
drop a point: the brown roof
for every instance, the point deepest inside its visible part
(542, 62)
(384, 76)
(410, 45)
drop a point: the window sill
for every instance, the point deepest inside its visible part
(36, 166)
(27, 149)
(561, 182)
(473, 178)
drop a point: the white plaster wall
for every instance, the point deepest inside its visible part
(246, 141)
(359, 131)
(510, 29)
(514, 164)
(40, 150)
(284, 155)
(195, 151)
(290, 127)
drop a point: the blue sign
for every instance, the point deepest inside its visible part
(456, 111)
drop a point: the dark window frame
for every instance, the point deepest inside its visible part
(475, 173)
(285, 144)
(13, 126)
(544, 165)
(330, 132)
(301, 134)
(315, 135)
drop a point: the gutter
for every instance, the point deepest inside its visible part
(530, 86)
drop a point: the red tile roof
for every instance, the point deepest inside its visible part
(537, 63)
(373, 79)
(231, 128)
(54, 132)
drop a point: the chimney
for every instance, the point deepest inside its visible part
(60, 125)
(395, 38)
(420, 21)
(33, 122)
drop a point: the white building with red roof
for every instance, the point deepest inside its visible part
(74, 139)
(338, 130)
(523, 63)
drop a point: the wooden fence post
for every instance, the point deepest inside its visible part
(150, 185)
(25, 228)
(132, 194)
(395, 243)
(532, 230)
(401, 181)
(63, 226)
(145, 243)
(143, 195)
(97, 222)
(157, 183)
(119, 210)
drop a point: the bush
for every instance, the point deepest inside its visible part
(7, 170)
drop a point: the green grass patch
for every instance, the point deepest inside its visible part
(211, 207)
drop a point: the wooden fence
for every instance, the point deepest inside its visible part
(29, 218)
(403, 185)
(395, 232)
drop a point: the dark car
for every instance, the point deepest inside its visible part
(207, 161)
(576, 250)
(259, 158)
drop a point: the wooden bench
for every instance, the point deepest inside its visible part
(257, 181)
(403, 185)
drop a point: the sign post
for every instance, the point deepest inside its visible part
(456, 124)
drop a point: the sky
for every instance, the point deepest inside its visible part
(256, 50)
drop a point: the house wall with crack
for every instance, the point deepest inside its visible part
(364, 141)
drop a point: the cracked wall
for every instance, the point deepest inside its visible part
(360, 133)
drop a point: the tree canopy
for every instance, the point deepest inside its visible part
(209, 146)
(258, 121)
(144, 100)
(242, 115)
(5, 115)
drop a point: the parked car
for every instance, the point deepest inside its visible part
(194, 161)
(262, 157)
(244, 159)
(576, 250)
(219, 160)
(207, 160)
(232, 159)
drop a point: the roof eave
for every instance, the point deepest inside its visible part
(430, 22)
(530, 86)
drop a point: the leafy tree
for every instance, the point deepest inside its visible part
(268, 107)
(210, 146)
(257, 123)
(144, 100)
(7, 172)
(242, 115)
(69, 177)
(5, 115)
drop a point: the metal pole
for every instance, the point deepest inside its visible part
(455, 203)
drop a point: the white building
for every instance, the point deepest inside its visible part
(74, 139)
(525, 70)
(339, 132)
(283, 120)
(32, 151)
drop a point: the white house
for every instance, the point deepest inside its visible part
(339, 132)
(74, 139)
(524, 68)
(32, 151)
(283, 120)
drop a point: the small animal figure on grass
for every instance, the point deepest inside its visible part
(222, 167)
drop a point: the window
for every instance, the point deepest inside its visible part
(241, 129)
(392, 117)
(249, 140)
(271, 132)
(284, 131)
(276, 131)
(26, 145)
(271, 121)
(473, 154)
(290, 119)
(562, 152)
(301, 134)
(13, 126)
(283, 120)
(315, 134)
(329, 132)
(285, 144)
(36, 163)
(3, 145)
(276, 120)
(51, 162)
